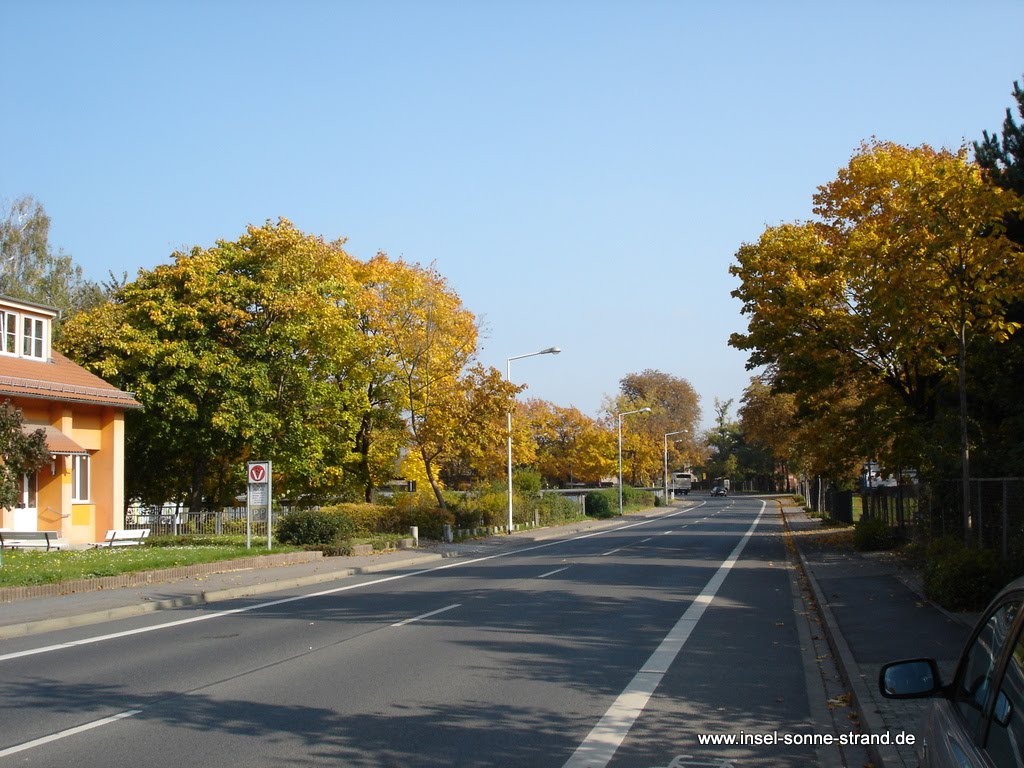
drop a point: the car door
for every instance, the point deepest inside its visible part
(959, 731)
(1004, 739)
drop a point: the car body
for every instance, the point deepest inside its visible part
(719, 491)
(978, 718)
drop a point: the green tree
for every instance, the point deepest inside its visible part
(30, 270)
(236, 352)
(20, 453)
(997, 368)
(1003, 156)
(724, 441)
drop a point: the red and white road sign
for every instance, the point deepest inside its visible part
(258, 473)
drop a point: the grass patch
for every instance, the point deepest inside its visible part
(24, 569)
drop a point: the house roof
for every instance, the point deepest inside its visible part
(56, 441)
(59, 379)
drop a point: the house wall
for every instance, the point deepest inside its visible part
(99, 430)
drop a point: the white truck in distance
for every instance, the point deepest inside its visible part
(681, 481)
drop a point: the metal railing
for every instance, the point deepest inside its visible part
(173, 520)
(932, 510)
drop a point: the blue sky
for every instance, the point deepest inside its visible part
(581, 172)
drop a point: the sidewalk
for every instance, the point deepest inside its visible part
(870, 608)
(873, 611)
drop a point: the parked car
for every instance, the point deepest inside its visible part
(978, 718)
(719, 491)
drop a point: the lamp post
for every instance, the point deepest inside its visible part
(618, 417)
(667, 435)
(508, 377)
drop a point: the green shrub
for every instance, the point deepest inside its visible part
(314, 528)
(598, 504)
(636, 497)
(430, 520)
(489, 507)
(556, 509)
(526, 482)
(961, 578)
(368, 518)
(872, 534)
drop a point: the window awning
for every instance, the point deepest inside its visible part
(57, 443)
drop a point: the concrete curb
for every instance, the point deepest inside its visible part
(95, 617)
(881, 754)
(213, 596)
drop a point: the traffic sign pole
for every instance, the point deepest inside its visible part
(259, 495)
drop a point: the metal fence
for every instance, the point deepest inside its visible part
(931, 510)
(996, 515)
(174, 520)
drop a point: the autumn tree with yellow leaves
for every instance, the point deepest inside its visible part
(907, 263)
(424, 343)
(564, 444)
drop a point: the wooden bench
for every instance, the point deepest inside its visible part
(122, 537)
(30, 540)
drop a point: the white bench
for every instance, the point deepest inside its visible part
(122, 537)
(30, 540)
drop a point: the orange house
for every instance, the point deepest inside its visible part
(80, 494)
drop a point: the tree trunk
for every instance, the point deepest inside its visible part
(195, 496)
(965, 459)
(432, 479)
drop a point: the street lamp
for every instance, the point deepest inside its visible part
(667, 435)
(619, 416)
(508, 377)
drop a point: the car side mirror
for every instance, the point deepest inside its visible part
(909, 679)
(1003, 711)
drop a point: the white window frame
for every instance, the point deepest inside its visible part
(33, 338)
(8, 332)
(24, 333)
(80, 480)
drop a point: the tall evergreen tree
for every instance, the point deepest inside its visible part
(1003, 157)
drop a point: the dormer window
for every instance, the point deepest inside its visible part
(34, 338)
(8, 333)
(25, 330)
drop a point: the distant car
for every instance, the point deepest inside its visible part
(719, 491)
(978, 718)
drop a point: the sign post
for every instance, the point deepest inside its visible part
(258, 497)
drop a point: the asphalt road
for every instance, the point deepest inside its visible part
(618, 647)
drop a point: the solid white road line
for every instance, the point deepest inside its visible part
(425, 615)
(322, 593)
(552, 573)
(69, 732)
(607, 736)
